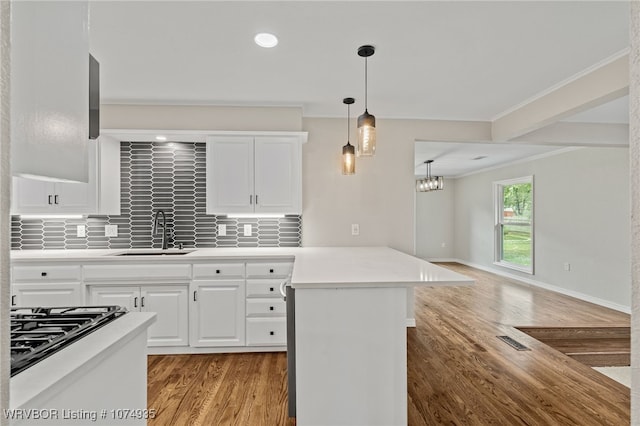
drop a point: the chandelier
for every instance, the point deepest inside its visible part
(429, 183)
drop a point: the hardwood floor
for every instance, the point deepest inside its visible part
(459, 373)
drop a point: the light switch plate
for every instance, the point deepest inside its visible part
(222, 230)
(111, 230)
(81, 231)
(355, 229)
(247, 230)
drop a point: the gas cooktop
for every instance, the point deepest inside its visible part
(37, 333)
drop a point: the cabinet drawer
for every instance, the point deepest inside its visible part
(218, 270)
(264, 288)
(266, 331)
(151, 272)
(45, 273)
(269, 270)
(266, 307)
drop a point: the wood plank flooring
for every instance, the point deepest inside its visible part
(459, 373)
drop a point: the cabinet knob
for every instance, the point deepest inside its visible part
(271, 308)
(44, 274)
(271, 271)
(272, 333)
(217, 271)
(271, 289)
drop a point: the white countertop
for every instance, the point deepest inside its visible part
(314, 267)
(56, 371)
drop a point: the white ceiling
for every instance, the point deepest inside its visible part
(434, 60)
(456, 159)
(437, 60)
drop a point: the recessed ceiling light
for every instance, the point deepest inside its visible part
(266, 40)
(161, 138)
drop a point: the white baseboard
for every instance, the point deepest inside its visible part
(551, 287)
(443, 259)
(411, 322)
(179, 350)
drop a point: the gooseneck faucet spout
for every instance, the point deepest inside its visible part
(154, 230)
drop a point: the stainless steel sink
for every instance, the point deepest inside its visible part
(154, 253)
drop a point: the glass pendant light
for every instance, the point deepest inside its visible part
(348, 151)
(366, 122)
(429, 183)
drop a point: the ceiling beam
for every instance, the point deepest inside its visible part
(595, 86)
(579, 134)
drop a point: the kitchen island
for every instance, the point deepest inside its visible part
(351, 346)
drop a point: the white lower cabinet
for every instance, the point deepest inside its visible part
(46, 285)
(169, 302)
(217, 313)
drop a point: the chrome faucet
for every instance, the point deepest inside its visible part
(154, 229)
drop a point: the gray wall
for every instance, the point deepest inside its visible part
(581, 217)
(435, 223)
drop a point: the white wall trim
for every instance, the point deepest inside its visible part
(443, 259)
(411, 322)
(551, 287)
(563, 83)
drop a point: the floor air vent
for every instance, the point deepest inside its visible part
(513, 343)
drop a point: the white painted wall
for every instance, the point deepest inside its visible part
(380, 196)
(634, 157)
(435, 223)
(581, 217)
(5, 196)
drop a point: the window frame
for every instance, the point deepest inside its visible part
(498, 201)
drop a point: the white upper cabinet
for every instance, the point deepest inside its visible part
(254, 174)
(101, 195)
(50, 89)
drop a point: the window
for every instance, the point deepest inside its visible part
(514, 223)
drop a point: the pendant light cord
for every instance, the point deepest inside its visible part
(366, 60)
(348, 117)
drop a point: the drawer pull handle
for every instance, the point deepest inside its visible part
(43, 274)
(195, 296)
(135, 302)
(271, 308)
(272, 333)
(13, 300)
(142, 302)
(217, 271)
(49, 200)
(271, 271)
(55, 199)
(271, 289)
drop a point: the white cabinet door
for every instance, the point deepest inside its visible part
(277, 175)
(217, 313)
(38, 196)
(172, 308)
(50, 89)
(129, 297)
(101, 195)
(47, 294)
(230, 175)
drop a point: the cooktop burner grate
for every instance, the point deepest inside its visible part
(37, 333)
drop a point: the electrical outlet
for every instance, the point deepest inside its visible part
(567, 266)
(355, 229)
(222, 230)
(81, 231)
(247, 230)
(111, 230)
